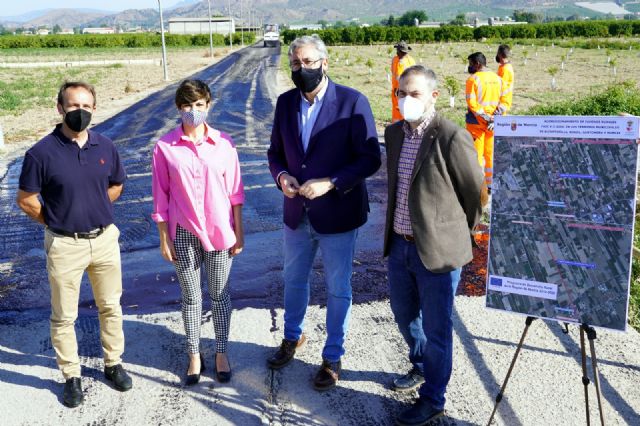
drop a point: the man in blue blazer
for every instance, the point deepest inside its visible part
(324, 144)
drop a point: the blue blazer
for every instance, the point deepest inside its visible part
(343, 146)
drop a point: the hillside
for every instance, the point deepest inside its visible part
(66, 18)
(304, 11)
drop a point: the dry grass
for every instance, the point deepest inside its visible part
(585, 71)
(27, 95)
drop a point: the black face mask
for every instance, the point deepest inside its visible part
(471, 69)
(78, 119)
(497, 59)
(307, 80)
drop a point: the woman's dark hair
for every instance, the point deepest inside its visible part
(504, 51)
(478, 58)
(190, 91)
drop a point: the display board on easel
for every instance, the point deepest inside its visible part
(562, 217)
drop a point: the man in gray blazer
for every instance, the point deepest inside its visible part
(435, 185)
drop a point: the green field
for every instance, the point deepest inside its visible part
(25, 88)
(586, 71)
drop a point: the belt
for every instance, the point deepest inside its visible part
(94, 233)
(407, 237)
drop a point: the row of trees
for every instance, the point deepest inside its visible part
(56, 29)
(553, 30)
(537, 17)
(118, 40)
(408, 19)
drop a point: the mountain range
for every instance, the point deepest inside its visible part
(288, 11)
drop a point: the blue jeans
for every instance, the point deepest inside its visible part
(422, 304)
(300, 247)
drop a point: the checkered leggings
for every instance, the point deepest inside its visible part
(218, 264)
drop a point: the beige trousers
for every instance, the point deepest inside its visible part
(67, 259)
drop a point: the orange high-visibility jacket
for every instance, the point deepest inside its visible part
(485, 93)
(505, 72)
(397, 68)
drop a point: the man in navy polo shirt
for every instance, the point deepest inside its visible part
(77, 174)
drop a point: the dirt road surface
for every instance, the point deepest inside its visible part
(545, 388)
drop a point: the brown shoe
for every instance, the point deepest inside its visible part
(286, 352)
(327, 376)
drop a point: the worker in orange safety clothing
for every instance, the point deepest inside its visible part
(486, 97)
(399, 63)
(505, 70)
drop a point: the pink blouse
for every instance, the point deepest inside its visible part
(196, 185)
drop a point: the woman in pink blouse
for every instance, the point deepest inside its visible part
(197, 204)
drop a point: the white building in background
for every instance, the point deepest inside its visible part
(66, 31)
(98, 30)
(608, 7)
(313, 27)
(219, 25)
(42, 31)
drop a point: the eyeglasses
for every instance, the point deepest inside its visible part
(296, 65)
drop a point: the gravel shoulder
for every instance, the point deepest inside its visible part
(545, 387)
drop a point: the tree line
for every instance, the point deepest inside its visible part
(118, 40)
(551, 30)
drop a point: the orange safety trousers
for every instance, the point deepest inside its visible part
(483, 141)
(395, 109)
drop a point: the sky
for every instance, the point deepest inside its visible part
(13, 8)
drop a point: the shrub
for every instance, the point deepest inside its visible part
(452, 85)
(114, 40)
(618, 98)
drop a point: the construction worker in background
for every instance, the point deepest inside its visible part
(486, 97)
(399, 63)
(505, 70)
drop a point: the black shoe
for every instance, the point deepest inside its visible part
(193, 379)
(420, 414)
(410, 381)
(286, 352)
(72, 396)
(121, 380)
(222, 376)
(327, 376)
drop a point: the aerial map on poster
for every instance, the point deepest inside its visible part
(562, 210)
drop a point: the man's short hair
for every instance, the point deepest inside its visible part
(504, 51)
(313, 40)
(73, 84)
(427, 73)
(191, 91)
(478, 58)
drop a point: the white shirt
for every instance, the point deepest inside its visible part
(309, 113)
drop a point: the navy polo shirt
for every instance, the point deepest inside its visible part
(73, 181)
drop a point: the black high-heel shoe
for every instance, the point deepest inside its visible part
(222, 376)
(193, 379)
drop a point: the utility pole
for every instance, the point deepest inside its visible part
(210, 32)
(164, 47)
(1, 139)
(230, 27)
(242, 27)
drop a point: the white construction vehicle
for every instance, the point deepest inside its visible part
(271, 35)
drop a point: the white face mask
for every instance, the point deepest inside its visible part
(412, 109)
